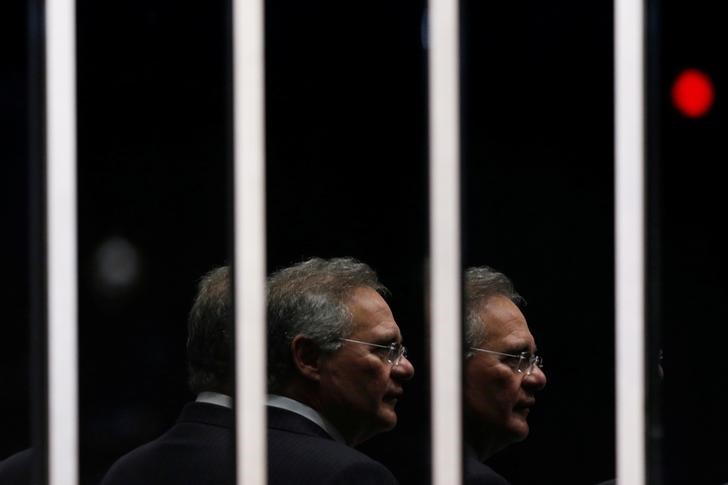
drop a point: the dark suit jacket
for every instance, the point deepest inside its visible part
(17, 469)
(197, 450)
(301, 453)
(477, 473)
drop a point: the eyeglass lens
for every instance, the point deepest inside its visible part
(528, 362)
(396, 352)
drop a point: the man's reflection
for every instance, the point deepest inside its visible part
(502, 372)
(198, 449)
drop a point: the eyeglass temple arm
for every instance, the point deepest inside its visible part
(497, 353)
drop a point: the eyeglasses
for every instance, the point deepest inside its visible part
(522, 363)
(394, 351)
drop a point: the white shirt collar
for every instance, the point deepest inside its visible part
(282, 402)
(215, 398)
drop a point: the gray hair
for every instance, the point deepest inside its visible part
(309, 299)
(480, 284)
(210, 333)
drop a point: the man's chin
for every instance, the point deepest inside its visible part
(519, 429)
(384, 422)
(387, 419)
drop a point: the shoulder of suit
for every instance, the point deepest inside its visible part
(322, 461)
(364, 473)
(477, 473)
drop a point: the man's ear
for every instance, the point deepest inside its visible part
(306, 357)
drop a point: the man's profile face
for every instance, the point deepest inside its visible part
(497, 398)
(359, 388)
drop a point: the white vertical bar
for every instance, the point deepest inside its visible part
(629, 239)
(62, 246)
(445, 297)
(248, 60)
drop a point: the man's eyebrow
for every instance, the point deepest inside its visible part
(388, 338)
(520, 347)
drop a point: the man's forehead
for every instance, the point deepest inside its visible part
(502, 318)
(365, 302)
(499, 307)
(371, 314)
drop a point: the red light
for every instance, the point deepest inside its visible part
(692, 93)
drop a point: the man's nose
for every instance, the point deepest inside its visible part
(536, 381)
(403, 371)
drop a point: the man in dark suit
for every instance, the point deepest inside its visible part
(198, 449)
(336, 369)
(502, 372)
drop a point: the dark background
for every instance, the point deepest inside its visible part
(691, 289)
(14, 182)
(347, 175)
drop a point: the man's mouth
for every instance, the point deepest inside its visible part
(393, 397)
(523, 411)
(524, 408)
